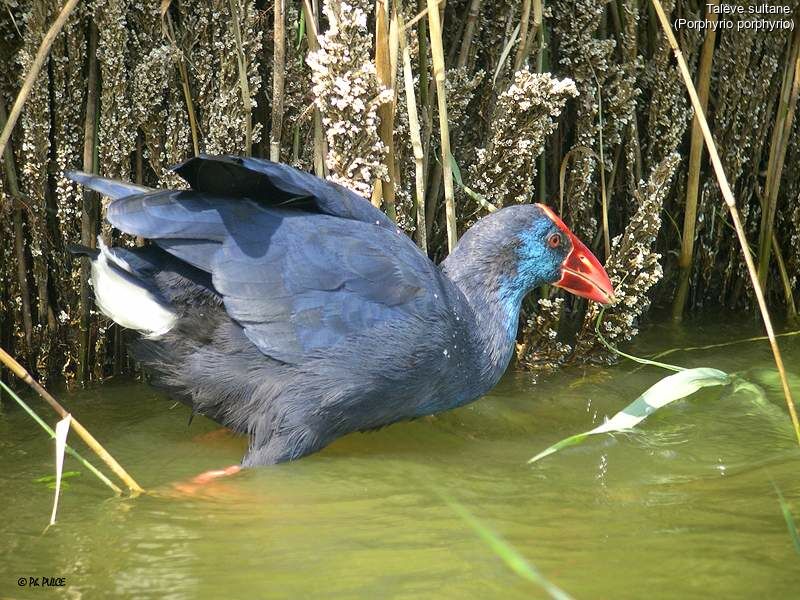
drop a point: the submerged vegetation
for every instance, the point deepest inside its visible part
(576, 103)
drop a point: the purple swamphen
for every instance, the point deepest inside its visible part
(289, 308)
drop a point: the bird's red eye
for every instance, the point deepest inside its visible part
(554, 241)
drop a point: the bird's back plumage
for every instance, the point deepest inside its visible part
(287, 289)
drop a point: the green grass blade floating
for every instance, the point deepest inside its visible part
(52, 434)
(50, 480)
(572, 440)
(667, 390)
(507, 553)
(787, 516)
(62, 429)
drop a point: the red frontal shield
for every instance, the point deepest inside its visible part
(581, 272)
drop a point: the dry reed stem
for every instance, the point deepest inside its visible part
(394, 53)
(538, 16)
(89, 206)
(187, 94)
(422, 57)
(183, 72)
(437, 50)
(244, 83)
(22, 273)
(425, 109)
(463, 55)
(416, 141)
(524, 46)
(791, 308)
(603, 190)
(781, 133)
(730, 201)
(278, 79)
(693, 177)
(505, 53)
(33, 73)
(84, 434)
(320, 146)
(469, 32)
(394, 49)
(385, 190)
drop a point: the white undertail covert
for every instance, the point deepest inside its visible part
(125, 299)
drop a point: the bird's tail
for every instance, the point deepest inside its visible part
(81, 250)
(123, 295)
(112, 188)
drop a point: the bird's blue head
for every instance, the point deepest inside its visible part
(522, 247)
(549, 252)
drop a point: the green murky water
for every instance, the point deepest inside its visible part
(686, 509)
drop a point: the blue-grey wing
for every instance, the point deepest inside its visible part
(315, 282)
(296, 281)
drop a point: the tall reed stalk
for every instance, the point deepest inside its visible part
(385, 190)
(278, 77)
(84, 434)
(416, 139)
(780, 141)
(183, 73)
(90, 204)
(473, 12)
(33, 73)
(437, 50)
(693, 178)
(320, 146)
(788, 294)
(524, 43)
(244, 82)
(730, 202)
(602, 160)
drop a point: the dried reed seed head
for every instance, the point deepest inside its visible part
(606, 86)
(347, 93)
(525, 115)
(541, 350)
(633, 267)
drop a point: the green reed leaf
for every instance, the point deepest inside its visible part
(787, 516)
(62, 429)
(669, 389)
(506, 552)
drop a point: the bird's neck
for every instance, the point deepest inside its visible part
(488, 287)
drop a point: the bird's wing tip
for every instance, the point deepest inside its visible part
(202, 156)
(77, 176)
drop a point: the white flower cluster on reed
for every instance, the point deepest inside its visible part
(525, 115)
(347, 93)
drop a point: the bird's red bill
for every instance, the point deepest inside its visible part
(581, 272)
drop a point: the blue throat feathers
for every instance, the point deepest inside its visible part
(511, 294)
(534, 267)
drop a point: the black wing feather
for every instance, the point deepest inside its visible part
(278, 185)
